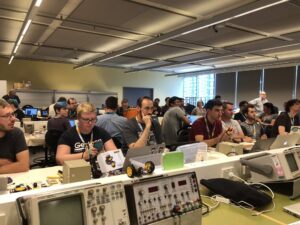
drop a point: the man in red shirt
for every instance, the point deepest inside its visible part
(209, 128)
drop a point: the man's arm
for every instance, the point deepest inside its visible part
(281, 130)
(185, 120)
(142, 141)
(109, 145)
(224, 136)
(21, 165)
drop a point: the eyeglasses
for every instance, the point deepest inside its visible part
(87, 120)
(9, 116)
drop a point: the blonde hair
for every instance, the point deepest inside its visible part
(3, 103)
(85, 107)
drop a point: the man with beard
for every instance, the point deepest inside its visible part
(14, 154)
(142, 130)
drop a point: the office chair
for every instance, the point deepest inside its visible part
(51, 140)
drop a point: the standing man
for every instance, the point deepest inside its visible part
(251, 127)
(287, 119)
(228, 122)
(14, 154)
(259, 102)
(142, 130)
(86, 140)
(72, 106)
(173, 121)
(209, 128)
(12, 95)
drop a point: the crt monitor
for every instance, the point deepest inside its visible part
(31, 112)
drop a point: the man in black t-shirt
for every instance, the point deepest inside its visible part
(84, 140)
(287, 119)
(14, 154)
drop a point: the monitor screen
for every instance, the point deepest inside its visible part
(44, 113)
(64, 210)
(290, 158)
(31, 112)
(72, 123)
(193, 118)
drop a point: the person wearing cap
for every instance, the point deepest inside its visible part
(12, 95)
(14, 154)
(51, 107)
(17, 111)
(173, 121)
(259, 102)
(60, 121)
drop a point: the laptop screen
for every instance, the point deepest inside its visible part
(31, 112)
(44, 113)
(72, 123)
(193, 118)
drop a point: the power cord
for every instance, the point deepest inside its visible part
(251, 208)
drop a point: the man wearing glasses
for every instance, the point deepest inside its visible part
(85, 140)
(14, 154)
(143, 130)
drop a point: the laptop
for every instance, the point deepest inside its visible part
(296, 129)
(262, 145)
(44, 113)
(283, 141)
(293, 209)
(31, 112)
(193, 118)
(142, 152)
(72, 123)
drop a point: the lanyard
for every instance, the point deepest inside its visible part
(81, 138)
(208, 130)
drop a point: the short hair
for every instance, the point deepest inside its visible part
(243, 103)
(262, 92)
(157, 99)
(290, 103)
(61, 99)
(141, 99)
(13, 102)
(212, 103)
(124, 100)
(218, 97)
(249, 106)
(69, 99)
(173, 99)
(3, 103)
(85, 107)
(270, 106)
(167, 99)
(226, 103)
(111, 102)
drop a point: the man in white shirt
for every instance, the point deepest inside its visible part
(259, 102)
(228, 122)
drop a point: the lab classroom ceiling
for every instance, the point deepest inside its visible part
(172, 36)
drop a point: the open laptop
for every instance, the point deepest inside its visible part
(262, 145)
(296, 129)
(143, 151)
(293, 209)
(31, 112)
(193, 118)
(283, 141)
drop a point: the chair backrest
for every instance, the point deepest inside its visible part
(183, 134)
(51, 139)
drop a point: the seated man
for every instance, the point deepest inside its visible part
(85, 140)
(142, 130)
(14, 154)
(209, 128)
(60, 121)
(17, 111)
(173, 121)
(72, 106)
(228, 122)
(240, 117)
(112, 122)
(251, 127)
(287, 119)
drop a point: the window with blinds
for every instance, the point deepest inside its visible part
(198, 87)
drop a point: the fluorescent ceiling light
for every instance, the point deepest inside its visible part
(11, 59)
(26, 27)
(145, 46)
(236, 16)
(20, 40)
(16, 48)
(38, 3)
